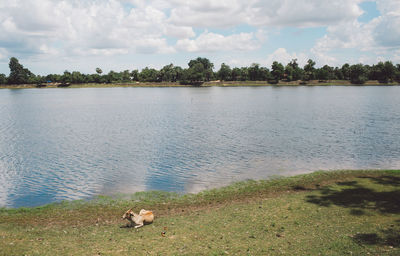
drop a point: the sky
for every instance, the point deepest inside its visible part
(51, 36)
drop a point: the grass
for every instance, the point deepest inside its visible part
(323, 213)
(207, 84)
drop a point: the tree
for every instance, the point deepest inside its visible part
(337, 74)
(135, 75)
(244, 74)
(358, 74)
(195, 75)
(289, 73)
(383, 72)
(325, 73)
(167, 73)
(397, 73)
(293, 72)
(66, 78)
(278, 71)
(125, 76)
(18, 74)
(178, 73)
(224, 73)
(99, 71)
(207, 67)
(199, 71)
(309, 70)
(254, 71)
(346, 71)
(3, 79)
(55, 78)
(77, 77)
(149, 75)
(235, 74)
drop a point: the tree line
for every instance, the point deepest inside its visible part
(201, 70)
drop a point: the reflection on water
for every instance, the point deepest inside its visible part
(64, 144)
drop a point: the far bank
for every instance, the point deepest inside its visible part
(206, 84)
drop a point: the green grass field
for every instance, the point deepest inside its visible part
(324, 213)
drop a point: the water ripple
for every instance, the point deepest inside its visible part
(72, 144)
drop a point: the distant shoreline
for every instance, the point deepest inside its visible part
(206, 84)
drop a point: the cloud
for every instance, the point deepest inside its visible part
(90, 27)
(387, 30)
(308, 13)
(283, 56)
(380, 36)
(212, 42)
(208, 13)
(180, 32)
(76, 30)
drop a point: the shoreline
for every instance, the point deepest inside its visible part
(174, 197)
(206, 84)
(322, 213)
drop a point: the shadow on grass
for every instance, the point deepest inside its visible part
(358, 198)
(389, 237)
(385, 180)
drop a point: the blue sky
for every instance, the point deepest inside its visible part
(53, 36)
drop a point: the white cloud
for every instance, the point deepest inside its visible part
(208, 13)
(76, 30)
(279, 13)
(283, 56)
(211, 42)
(308, 13)
(378, 37)
(84, 27)
(387, 30)
(180, 32)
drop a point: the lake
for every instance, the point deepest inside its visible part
(66, 144)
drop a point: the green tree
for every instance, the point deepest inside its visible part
(66, 78)
(309, 70)
(358, 74)
(3, 79)
(53, 78)
(99, 71)
(195, 74)
(178, 73)
(18, 74)
(254, 72)
(397, 73)
(293, 72)
(135, 75)
(337, 74)
(207, 68)
(167, 73)
(125, 76)
(149, 75)
(77, 77)
(38, 80)
(224, 73)
(346, 71)
(325, 73)
(383, 72)
(235, 74)
(244, 74)
(264, 74)
(278, 71)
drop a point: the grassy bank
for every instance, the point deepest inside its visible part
(207, 84)
(327, 213)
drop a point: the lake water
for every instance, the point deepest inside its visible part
(65, 144)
